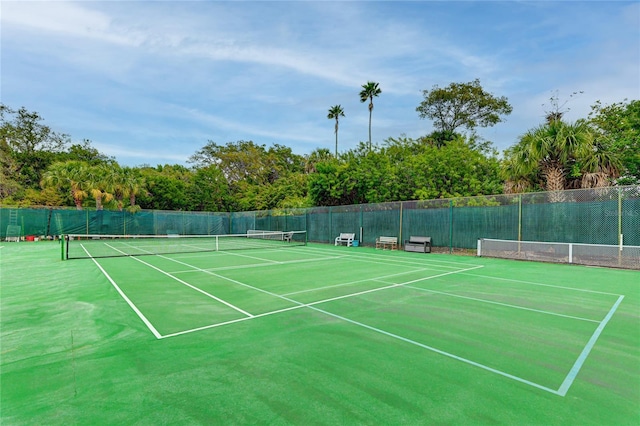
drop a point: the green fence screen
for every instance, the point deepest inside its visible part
(591, 216)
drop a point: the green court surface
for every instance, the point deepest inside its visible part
(315, 334)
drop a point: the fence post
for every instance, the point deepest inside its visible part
(361, 223)
(450, 226)
(519, 217)
(330, 226)
(400, 231)
(619, 213)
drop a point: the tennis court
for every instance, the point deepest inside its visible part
(313, 334)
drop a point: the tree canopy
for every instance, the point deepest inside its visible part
(618, 129)
(465, 105)
(39, 166)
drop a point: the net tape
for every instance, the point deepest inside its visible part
(99, 246)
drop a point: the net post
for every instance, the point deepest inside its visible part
(479, 252)
(570, 253)
(62, 238)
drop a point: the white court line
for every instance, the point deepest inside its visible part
(438, 351)
(389, 286)
(224, 302)
(390, 258)
(377, 330)
(250, 257)
(502, 304)
(219, 324)
(561, 392)
(298, 304)
(355, 282)
(124, 296)
(280, 296)
(566, 384)
(388, 262)
(432, 259)
(544, 285)
(260, 265)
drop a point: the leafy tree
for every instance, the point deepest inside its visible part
(318, 155)
(618, 127)
(282, 162)
(462, 105)
(326, 185)
(242, 160)
(9, 185)
(46, 197)
(85, 152)
(335, 112)
(210, 190)
(28, 145)
(455, 170)
(250, 169)
(168, 187)
(406, 169)
(369, 91)
(290, 192)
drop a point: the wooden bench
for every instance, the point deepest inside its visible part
(418, 244)
(384, 242)
(345, 238)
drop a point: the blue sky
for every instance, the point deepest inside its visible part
(151, 82)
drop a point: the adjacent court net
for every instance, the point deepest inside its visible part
(619, 256)
(96, 246)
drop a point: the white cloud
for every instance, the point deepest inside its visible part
(168, 73)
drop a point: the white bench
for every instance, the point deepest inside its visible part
(384, 242)
(345, 238)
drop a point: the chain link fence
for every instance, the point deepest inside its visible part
(588, 216)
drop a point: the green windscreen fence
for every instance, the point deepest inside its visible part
(590, 216)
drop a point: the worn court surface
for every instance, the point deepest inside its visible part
(315, 335)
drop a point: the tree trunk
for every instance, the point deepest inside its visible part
(555, 183)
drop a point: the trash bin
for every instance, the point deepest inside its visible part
(355, 243)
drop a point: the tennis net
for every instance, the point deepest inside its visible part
(97, 246)
(619, 256)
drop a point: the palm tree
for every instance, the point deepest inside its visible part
(369, 91)
(101, 181)
(336, 112)
(70, 175)
(133, 184)
(555, 151)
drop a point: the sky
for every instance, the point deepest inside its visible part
(152, 82)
